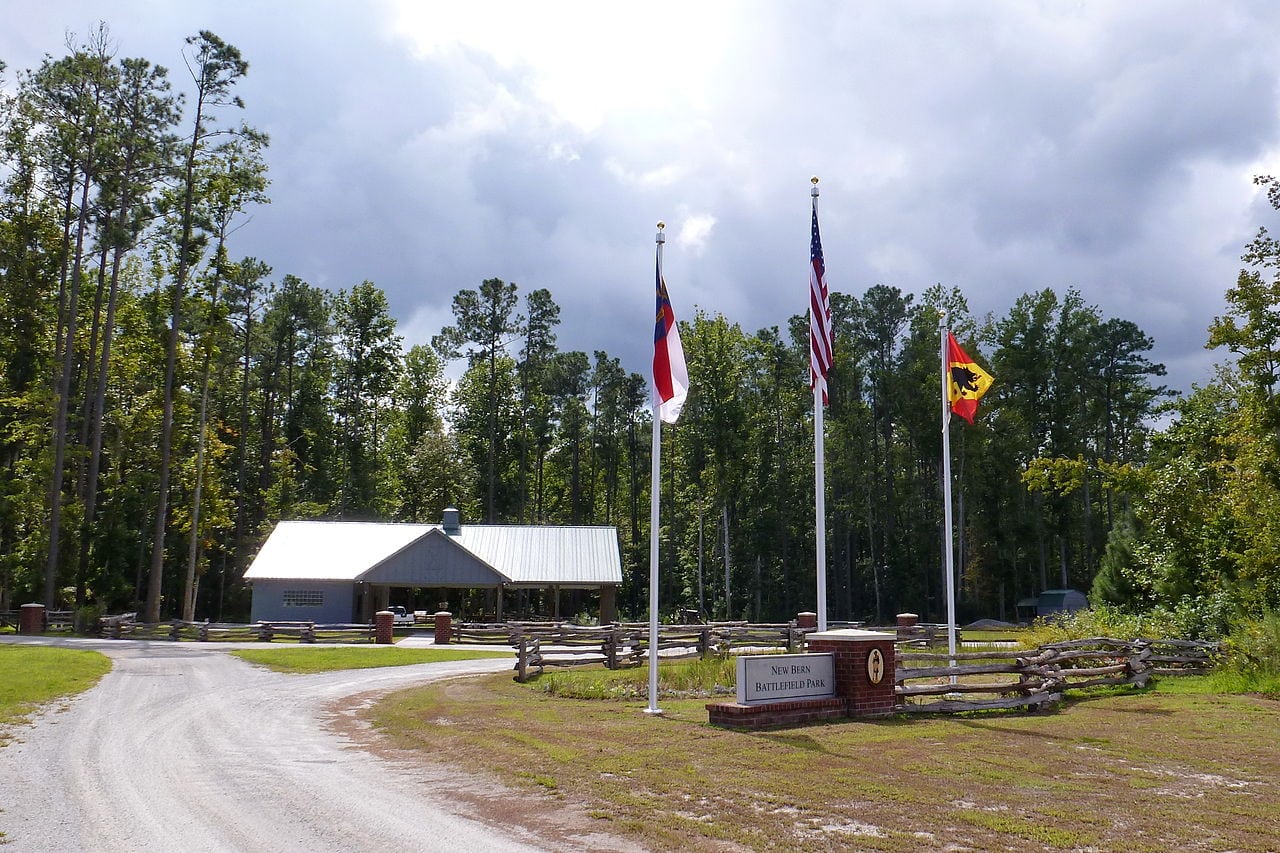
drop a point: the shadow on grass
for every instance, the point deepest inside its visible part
(1147, 711)
(994, 726)
(795, 741)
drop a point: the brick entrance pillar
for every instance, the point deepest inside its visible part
(384, 627)
(444, 627)
(864, 669)
(31, 619)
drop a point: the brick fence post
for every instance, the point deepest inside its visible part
(384, 627)
(31, 619)
(444, 627)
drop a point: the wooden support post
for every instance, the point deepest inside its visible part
(608, 604)
(609, 646)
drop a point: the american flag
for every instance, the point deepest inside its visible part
(820, 336)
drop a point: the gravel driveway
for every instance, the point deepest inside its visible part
(183, 747)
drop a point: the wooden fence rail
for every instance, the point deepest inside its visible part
(1039, 676)
(927, 682)
(126, 626)
(541, 645)
(921, 635)
(486, 633)
(528, 657)
(569, 645)
(54, 620)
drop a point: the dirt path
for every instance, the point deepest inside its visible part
(184, 747)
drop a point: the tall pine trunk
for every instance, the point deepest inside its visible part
(217, 67)
(155, 580)
(63, 393)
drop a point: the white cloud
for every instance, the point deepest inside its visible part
(694, 231)
(999, 147)
(588, 61)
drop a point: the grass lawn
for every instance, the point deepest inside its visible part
(33, 675)
(1153, 770)
(303, 659)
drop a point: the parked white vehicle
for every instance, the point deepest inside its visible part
(401, 616)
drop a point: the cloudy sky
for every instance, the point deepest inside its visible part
(1000, 147)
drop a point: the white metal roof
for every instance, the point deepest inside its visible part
(329, 550)
(526, 554)
(542, 555)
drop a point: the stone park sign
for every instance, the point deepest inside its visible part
(847, 673)
(781, 678)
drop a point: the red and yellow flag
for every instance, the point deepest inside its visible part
(966, 381)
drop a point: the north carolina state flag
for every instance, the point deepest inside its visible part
(966, 381)
(670, 375)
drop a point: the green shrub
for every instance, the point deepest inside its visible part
(709, 677)
(87, 618)
(1199, 618)
(1253, 648)
(1103, 620)
(1250, 662)
(1204, 617)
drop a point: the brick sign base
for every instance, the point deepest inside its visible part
(859, 657)
(790, 713)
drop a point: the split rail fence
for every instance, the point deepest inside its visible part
(975, 681)
(542, 645)
(126, 627)
(927, 682)
(54, 620)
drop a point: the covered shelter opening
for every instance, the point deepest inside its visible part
(1050, 602)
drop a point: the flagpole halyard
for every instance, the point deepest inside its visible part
(948, 546)
(964, 381)
(654, 529)
(654, 532)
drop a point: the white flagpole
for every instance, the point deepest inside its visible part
(948, 547)
(654, 529)
(820, 505)
(819, 482)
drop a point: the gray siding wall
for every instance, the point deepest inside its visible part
(303, 601)
(434, 561)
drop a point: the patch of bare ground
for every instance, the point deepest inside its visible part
(1146, 771)
(553, 819)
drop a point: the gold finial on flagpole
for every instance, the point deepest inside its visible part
(661, 237)
(814, 192)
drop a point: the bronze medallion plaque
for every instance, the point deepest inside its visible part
(875, 666)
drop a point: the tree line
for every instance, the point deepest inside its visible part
(164, 402)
